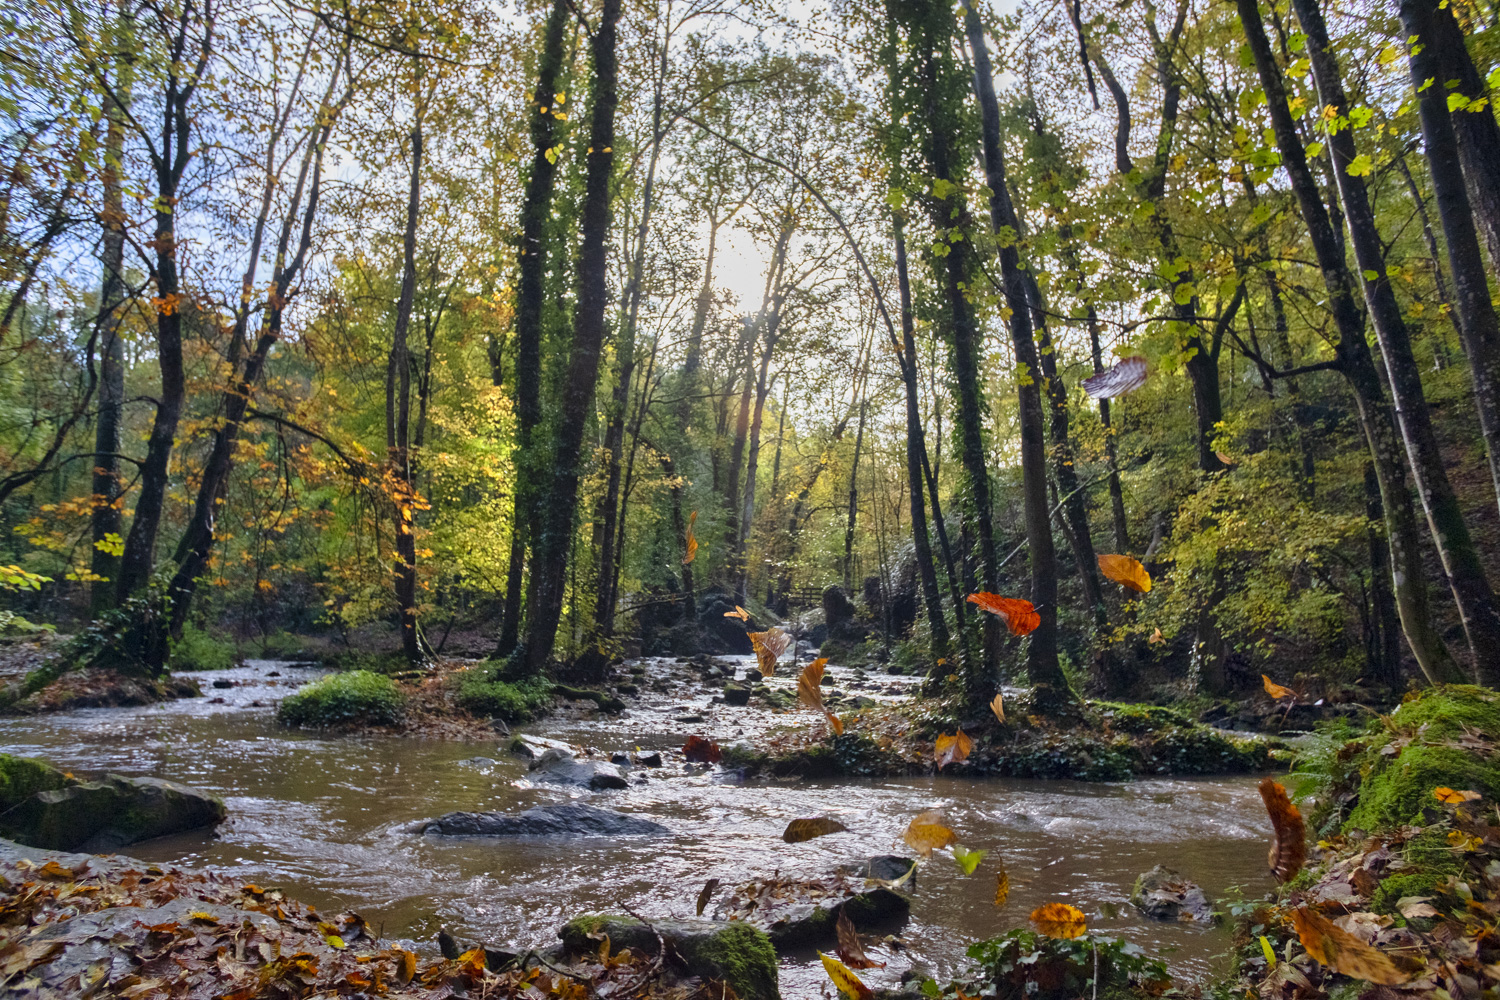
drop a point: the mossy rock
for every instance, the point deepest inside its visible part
(478, 692)
(1450, 709)
(355, 698)
(1136, 719)
(23, 777)
(1194, 749)
(103, 815)
(1397, 887)
(732, 952)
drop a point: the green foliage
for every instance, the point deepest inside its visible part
(199, 650)
(355, 698)
(1025, 964)
(1399, 790)
(12, 624)
(479, 694)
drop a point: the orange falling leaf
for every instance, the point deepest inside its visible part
(998, 707)
(926, 833)
(692, 542)
(952, 749)
(1450, 797)
(739, 613)
(1125, 571)
(1019, 616)
(809, 684)
(1002, 886)
(1342, 952)
(1059, 920)
(1289, 833)
(1276, 691)
(799, 830)
(1156, 637)
(768, 646)
(834, 723)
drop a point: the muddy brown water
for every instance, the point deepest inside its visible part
(321, 817)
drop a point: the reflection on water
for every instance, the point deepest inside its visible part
(321, 818)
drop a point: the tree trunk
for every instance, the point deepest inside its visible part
(1050, 687)
(1477, 133)
(531, 294)
(1466, 575)
(554, 544)
(853, 514)
(916, 453)
(106, 519)
(1383, 660)
(752, 460)
(1357, 366)
(1478, 323)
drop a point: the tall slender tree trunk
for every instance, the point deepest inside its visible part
(1357, 366)
(1050, 687)
(106, 518)
(916, 456)
(853, 514)
(1439, 276)
(531, 294)
(752, 458)
(554, 544)
(1477, 133)
(1478, 323)
(1466, 575)
(1383, 658)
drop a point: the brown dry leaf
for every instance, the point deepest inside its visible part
(706, 894)
(799, 830)
(926, 833)
(54, 870)
(1002, 886)
(1128, 375)
(1450, 797)
(1276, 691)
(847, 982)
(1126, 571)
(835, 723)
(851, 952)
(1341, 951)
(998, 707)
(700, 750)
(1059, 920)
(1289, 838)
(406, 966)
(1019, 616)
(952, 749)
(1156, 636)
(809, 685)
(692, 543)
(768, 646)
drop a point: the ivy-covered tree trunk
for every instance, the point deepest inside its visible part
(1050, 687)
(1357, 366)
(531, 294)
(554, 544)
(1478, 323)
(1476, 131)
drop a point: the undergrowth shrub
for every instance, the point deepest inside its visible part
(519, 701)
(344, 699)
(198, 650)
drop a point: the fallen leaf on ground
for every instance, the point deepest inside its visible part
(1416, 906)
(701, 750)
(1019, 616)
(799, 830)
(1125, 571)
(1059, 920)
(1341, 951)
(926, 833)
(851, 952)
(1289, 834)
(952, 749)
(1450, 797)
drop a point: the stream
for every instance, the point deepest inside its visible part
(321, 817)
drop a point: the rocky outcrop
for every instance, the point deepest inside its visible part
(1166, 895)
(564, 820)
(556, 767)
(732, 953)
(885, 868)
(104, 815)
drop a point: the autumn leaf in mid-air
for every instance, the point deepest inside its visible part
(952, 749)
(850, 950)
(706, 894)
(834, 723)
(739, 613)
(1127, 376)
(768, 646)
(1059, 920)
(998, 707)
(1450, 797)
(967, 860)
(700, 750)
(691, 544)
(1002, 886)
(1289, 837)
(847, 982)
(799, 830)
(1276, 691)
(1125, 571)
(1342, 952)
(1019, 616)
(926, 833)
(810, 684)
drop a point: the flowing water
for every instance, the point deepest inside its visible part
(321, 817)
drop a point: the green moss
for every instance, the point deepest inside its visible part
(1398, 789)
(479, 694)
(1195, 749)
(1133, 718)
(1447, 711)
(744, 958)
(22, 777)
(1396, 887)
(358, 697)
(1069, 755)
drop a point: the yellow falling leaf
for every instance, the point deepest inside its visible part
(1126, 571)
(952, 749)
(847, 982)
(1002, 886)
(998, 707)
(1276, 691)
(926, 833)
(692, 542)
(1059, 920)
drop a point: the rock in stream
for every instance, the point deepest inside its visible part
(563, 820)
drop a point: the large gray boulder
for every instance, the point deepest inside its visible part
(557, 767)
(563, 820)
(104, 815)
(1167, 895)
(733, 953)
